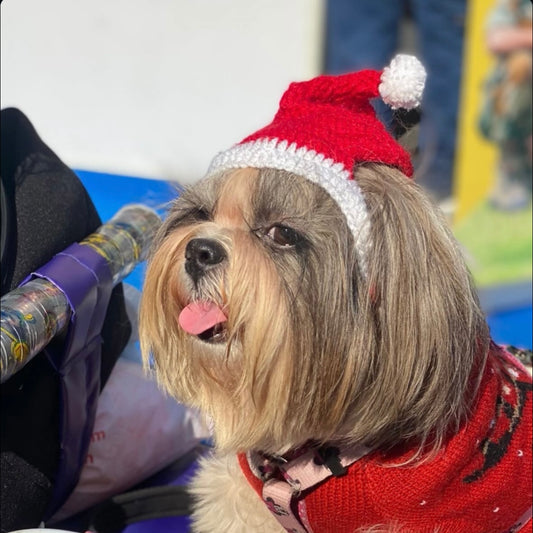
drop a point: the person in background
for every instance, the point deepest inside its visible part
(365, 34)
(506, 114)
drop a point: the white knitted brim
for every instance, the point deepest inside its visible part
(330, 175)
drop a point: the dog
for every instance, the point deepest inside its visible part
(343, 360)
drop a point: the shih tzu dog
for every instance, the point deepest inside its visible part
(311, 301)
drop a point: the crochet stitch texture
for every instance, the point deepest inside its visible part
(325, 127)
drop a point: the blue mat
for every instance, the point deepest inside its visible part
(512, 327)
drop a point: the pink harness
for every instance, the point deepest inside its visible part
(305, 470)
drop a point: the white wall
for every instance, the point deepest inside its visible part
(153, 88)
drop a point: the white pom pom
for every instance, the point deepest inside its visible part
(402, 82)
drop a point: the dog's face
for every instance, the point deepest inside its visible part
(256, 311)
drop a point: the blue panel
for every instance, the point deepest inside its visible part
(110, 192)
(512, 327)
(178, 524)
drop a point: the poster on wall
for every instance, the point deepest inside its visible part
(493, 218)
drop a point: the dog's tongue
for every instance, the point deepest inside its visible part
(200, 316)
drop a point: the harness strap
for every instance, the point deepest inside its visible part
(523, 521)
(283, 496)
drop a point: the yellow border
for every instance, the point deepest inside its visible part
(475, 158)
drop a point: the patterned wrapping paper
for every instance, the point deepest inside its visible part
(33, 314)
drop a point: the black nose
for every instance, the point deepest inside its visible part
(201, 255)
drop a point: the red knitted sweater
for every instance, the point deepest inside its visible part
(481, 482)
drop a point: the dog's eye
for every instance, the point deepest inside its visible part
(283, 235)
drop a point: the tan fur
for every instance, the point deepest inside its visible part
(315, 350)
(229, 504)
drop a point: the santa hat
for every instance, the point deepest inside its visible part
(327, 125)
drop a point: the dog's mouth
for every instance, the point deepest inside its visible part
(215, 335)
(205, 320)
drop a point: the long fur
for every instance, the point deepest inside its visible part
(315, 350)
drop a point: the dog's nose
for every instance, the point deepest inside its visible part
(201, 255)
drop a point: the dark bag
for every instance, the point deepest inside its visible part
(44, 209)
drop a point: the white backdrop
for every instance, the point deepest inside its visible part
(153, 88)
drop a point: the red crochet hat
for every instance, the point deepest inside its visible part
(326, 126)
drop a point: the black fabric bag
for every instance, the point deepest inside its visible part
(44, 209)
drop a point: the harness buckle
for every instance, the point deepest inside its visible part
(330, 457)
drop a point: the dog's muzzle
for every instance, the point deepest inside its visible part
(202, 316)
(201, 255)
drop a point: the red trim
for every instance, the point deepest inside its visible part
(254, 481)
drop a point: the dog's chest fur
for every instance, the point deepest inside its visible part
(226, 502)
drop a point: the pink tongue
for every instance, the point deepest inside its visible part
(200, 316)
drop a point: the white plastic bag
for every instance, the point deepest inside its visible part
(137, 432)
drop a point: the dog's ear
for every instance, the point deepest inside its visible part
(406, 127)
(425, 329)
